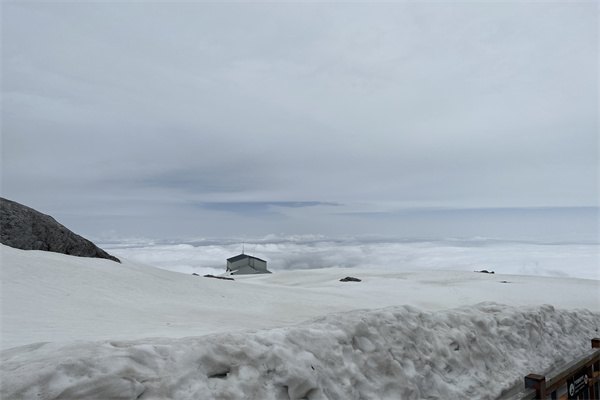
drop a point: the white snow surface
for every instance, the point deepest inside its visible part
(80, 328)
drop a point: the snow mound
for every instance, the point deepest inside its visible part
(392, 353)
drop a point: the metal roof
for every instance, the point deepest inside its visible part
(242, 256)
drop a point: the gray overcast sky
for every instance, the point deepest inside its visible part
(163, 119)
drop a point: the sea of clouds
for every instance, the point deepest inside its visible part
(202, 256)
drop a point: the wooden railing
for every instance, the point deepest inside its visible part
(577, 380)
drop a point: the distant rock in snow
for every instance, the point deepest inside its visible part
(24, 228)
(485, 271)
(218, 277)
(350, 279)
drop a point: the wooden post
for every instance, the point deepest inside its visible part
(592, 372)
(591, 389)
(537, 382)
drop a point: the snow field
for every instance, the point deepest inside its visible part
(50, 297)
(80, 328)
(393, 353)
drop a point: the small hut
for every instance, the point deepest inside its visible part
(244, 264)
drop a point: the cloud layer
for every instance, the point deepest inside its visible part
(308, 252)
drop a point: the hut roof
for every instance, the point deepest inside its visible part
(242, 256)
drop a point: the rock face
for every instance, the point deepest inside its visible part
(24, 228)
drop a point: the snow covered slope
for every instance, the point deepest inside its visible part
(435, 340)
(58, 298)
(395, 353)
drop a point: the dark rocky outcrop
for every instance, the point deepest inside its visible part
(485, 271)
(350, 279)
(218, 277)
(24, 228)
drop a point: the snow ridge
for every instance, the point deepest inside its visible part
(392, 353)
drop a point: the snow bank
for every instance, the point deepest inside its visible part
(393, 353)
(420, 334)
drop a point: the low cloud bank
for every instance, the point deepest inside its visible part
(313, 251)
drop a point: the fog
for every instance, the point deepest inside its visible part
(304, 252)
